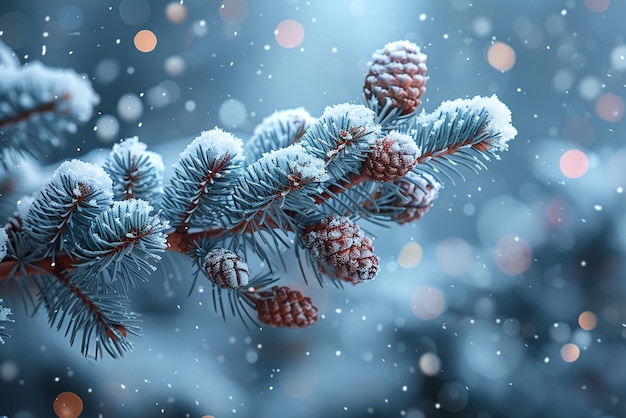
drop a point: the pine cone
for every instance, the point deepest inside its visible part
(342, 247)
(397, 72)
(285, 308)
(416, 198)
(226, 269)
(391, 157)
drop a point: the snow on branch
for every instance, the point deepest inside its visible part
(302, 184)
(122, 245)
(135, 172)
(199, 191)
(462, 132)
(342, 137)
(66, 205)
(39, 104)
(281, 129)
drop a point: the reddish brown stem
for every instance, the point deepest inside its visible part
(45, 108)
(480, 146)
(58, 271)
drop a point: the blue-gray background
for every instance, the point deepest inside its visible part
(497, 336)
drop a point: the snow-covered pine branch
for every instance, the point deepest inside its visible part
(462, 132)
(64, 208)
(121, 248)
(199, 192)
(39, 104)
(278, 130)
(301, 184)
(136, 173)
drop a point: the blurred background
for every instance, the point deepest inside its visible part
(506, 300)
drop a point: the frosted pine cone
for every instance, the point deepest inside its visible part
(397, 73)
(391, 157)
(416, 197)
(226, 269)
(341, 246)
(285, 308)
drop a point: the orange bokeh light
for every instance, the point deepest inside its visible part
(587, 320)
(574, 163)
(176, 12)
(501, 56)
(145, 40)
(570, 352)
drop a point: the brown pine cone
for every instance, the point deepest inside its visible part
(391, 157)
(397, 73)
(285, 308)
(226, 269)
(416, 198)
(342, 248)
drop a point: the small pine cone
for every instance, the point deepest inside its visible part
(285, 308)
(397, 72)
(391, 157)
(415, 199)
(226, 269)
(342, 247)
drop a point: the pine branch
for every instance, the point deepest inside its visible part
(281, 129)
(102, 321)
(199, 192)
(136, 173)
(306, 185)
(121, 247)
(461, 132)
(4, 319)
(39, 105)
(342, 138)
(64, 208)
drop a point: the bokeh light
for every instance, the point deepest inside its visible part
(560, 332)
(410, 255)
(129, 108)
(67, 405)
(618, 57)
(427, 302)
(107, 71)
(175, 66)
(289, 33)
(134, 12)
(513, 254)
(107, 127)
(233, 113)
(454, 256)
(234, 11)
(587, 320)
(71, 17)
(453, 397)
(610, 107)
(145, 40)
(597, 6)
(501, 56)
(574, 163)
(430, 364)
(589, 88)
(482, 26)
(570, 352)
(176, 12)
